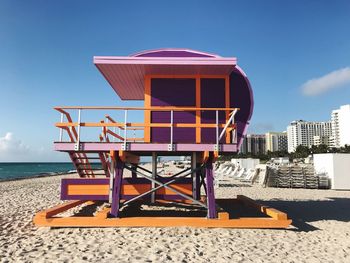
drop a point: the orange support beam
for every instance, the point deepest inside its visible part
(147, 130)
(198, 112)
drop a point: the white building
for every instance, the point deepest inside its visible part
(304, 132)
(276, 141)
(341, 126)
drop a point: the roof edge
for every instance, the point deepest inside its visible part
(144, 52)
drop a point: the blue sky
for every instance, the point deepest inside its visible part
(46, 50)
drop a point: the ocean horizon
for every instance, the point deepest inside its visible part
(23, 170)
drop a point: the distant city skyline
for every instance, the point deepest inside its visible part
(334, 132)
(296, 55)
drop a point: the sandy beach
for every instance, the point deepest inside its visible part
(320, 231)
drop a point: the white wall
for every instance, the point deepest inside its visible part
(344, 125)
(337, 167)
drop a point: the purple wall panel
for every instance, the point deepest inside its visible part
(173, 92)
(208, 135)
(212, 96)
(181, 135)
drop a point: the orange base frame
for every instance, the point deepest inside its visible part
(276, 218)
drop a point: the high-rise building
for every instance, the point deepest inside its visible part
(341, 126)
(253, 143)
(304, 132)
(276, 141)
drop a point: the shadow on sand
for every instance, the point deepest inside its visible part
(304, 212)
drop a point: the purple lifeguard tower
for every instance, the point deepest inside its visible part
(196, 104)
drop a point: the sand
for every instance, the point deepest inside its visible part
(320, 232)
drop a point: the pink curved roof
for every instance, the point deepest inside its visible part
(126, 74)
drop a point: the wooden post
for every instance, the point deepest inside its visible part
(111, 175)
(195, 177)
(210, 189)
(117, 187)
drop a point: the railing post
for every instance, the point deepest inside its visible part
(170, 146)
(61, 130)
(114, 130)
(125, 130)
(217, 129)
(234, 134)
(104, 128)
(77, 143)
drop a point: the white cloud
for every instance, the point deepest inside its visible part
(14, 150)
(332, 80)
(9, 145)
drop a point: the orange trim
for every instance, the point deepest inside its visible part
(198, 112)
(227, 104)
(76, 189)
(95, 221)
(183, 188)
(127, 189)
(147, 130)
(135, 189)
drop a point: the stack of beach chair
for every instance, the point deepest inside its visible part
(271, 176)
(297, 177)
(311, 179)
(284, 177)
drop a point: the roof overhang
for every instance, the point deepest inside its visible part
(126, 74)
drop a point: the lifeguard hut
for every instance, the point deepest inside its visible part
(196, 104)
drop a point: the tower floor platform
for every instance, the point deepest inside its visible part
(258, 216)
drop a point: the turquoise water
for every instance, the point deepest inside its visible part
(10, 171)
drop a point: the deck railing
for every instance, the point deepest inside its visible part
(119, 131)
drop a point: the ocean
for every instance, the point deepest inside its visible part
(11, 171)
